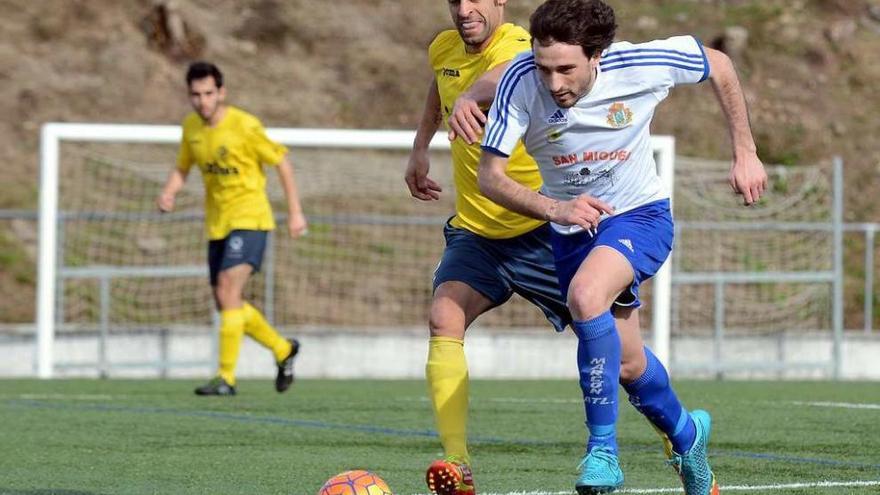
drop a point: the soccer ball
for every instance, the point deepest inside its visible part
(358, 482)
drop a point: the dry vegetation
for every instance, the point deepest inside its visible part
(810, 68)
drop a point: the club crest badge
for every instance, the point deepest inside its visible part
(619, 115)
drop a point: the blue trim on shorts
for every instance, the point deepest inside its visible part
(498, 268)
(239, 247)
(643, 235)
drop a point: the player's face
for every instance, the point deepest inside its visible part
(476, 20)
(565, 71)
(206, 97)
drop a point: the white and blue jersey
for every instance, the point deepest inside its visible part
(601, 146)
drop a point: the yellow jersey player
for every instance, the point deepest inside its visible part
(230, 148)
(491, 252)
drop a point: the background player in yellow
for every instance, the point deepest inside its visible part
(230, 147)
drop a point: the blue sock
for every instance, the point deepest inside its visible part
(653, 396)
(598, 357)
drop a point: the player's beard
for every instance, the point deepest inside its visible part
(568, 99)
(476, 36)
(571, 96)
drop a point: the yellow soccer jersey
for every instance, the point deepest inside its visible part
(231, 157)
(455, 71)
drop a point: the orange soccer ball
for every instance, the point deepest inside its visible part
(358, 482)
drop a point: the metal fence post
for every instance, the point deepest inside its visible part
(719, 329)
(164, 351)
(837, 301)
(104, 326)
(675, 312)
(869, 278)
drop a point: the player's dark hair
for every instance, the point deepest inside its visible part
(201, 70)
(588, 23)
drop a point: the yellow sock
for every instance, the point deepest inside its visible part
(447, 376)
(231, 333)
(667, 444)
(260, 330)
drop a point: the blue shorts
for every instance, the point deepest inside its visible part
(642, 235)
(496, 268)
(239, 247)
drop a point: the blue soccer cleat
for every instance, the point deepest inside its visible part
(693, 467)
(600, 473)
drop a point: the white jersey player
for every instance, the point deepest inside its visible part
(601, 145)
(583, 107)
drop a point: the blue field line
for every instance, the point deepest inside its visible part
(244, 418)
(399, 432)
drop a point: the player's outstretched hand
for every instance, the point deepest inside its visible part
(466, 120)
(420, 185)
(165, 203)
(584, 211)
(748, 178)
(297, 226)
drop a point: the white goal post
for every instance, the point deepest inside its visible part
(54, 134)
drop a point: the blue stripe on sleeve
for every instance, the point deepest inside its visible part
(504, 89)
(655, 64)
(659, 58)
(695, 56)
(508, 83)
(499, 135)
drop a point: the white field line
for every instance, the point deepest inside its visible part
(726, 488)
(842, 405)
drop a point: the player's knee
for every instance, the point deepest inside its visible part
(226, 293)
(586, 300)
(444, 327)
(445, 321)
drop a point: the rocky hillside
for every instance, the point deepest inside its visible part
(809, 67)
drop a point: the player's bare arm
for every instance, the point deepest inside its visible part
(296, 221)
(467, 118)
(747, 175)
(175, 182)
(584, 211)
(420, 185)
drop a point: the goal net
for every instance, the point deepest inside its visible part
(366, 263)
(755, 280)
